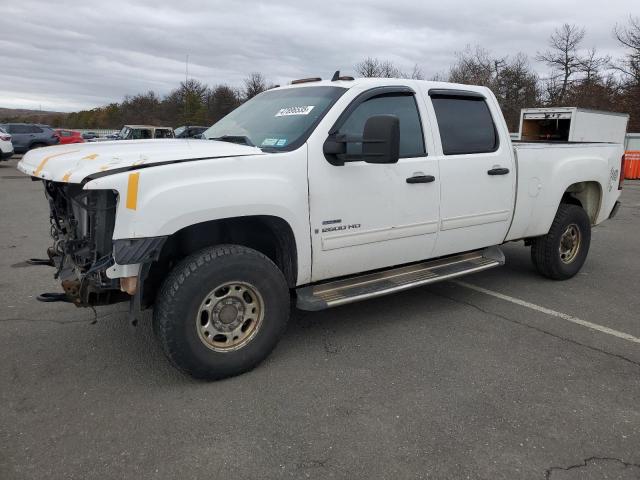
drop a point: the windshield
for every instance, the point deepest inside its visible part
(178, 131)
(277, 119)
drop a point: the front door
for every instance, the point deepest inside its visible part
(368, 216)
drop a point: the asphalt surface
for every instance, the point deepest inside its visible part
(437, 382)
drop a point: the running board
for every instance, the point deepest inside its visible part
(340, 292)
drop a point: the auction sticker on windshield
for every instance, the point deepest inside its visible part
(285, 112)
(274, 142)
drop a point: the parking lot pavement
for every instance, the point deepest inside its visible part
(446, 381)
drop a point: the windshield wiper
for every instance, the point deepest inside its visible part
(240, 139)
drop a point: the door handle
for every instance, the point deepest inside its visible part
(498, 171)
(421, 179)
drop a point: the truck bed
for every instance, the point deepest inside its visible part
(546, 169)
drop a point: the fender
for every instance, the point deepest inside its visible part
(159, 201)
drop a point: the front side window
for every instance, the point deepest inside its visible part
(465, 125)
(402, 106)
(276, 120)
(163, 133)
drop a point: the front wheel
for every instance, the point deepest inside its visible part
(560, 254)
(221, 311)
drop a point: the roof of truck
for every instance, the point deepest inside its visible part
(147, 126)
(381, 82)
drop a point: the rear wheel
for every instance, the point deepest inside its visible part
(221, 311)
(561, 253)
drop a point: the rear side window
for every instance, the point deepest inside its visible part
(34, 129)
(402, 106)
(19, 129)
(465, 125)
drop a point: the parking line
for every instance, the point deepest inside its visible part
(553, 313)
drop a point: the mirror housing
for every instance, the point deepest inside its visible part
(381, 139)
(380, 142)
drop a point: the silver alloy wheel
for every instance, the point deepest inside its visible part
(229, 316)
(570, 243)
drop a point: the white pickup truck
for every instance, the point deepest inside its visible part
(325, 191)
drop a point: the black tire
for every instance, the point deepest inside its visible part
(190, 283)
(33, 146)
(545, 250)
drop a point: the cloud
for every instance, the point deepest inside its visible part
(67, 55)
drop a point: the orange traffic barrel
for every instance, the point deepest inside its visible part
(632, 164)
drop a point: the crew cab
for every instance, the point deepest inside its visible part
(327, 192)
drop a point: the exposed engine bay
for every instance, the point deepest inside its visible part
(82, 224)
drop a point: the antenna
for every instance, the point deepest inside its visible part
(336, 76)
(186, 80)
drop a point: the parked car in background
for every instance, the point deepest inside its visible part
(89, 135)
(188, 131)
(144, 132)
(26, 136)
(6, 147)
(69, 136)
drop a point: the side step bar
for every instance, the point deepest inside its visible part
(340, 292)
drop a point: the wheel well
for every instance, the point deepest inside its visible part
(271, 236)
(587, 195)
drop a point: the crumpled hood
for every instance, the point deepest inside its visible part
(73, 163)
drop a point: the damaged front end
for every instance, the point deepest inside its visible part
(82, 223)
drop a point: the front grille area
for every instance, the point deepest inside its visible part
(82, 223)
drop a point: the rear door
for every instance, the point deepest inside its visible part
(477, 173)
(20, 136)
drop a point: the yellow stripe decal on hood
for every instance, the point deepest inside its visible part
(44, 161)
(132, 191)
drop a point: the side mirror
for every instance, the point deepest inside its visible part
(381, 139)
(380, 142)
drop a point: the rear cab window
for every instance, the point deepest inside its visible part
(465, 123)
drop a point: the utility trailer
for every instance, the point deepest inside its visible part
(572, 124)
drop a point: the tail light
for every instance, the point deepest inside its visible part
(5, 138)
(621, 179)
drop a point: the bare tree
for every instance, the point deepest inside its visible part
(592, 65)
(416, 73)
(512, 80)
(629, 36)
(373, 67)
(474, 67)
(369, 67)
(562, 56)
(254, 84)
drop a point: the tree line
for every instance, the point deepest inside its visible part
(578, 77)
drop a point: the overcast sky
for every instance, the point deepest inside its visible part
(69, 55)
